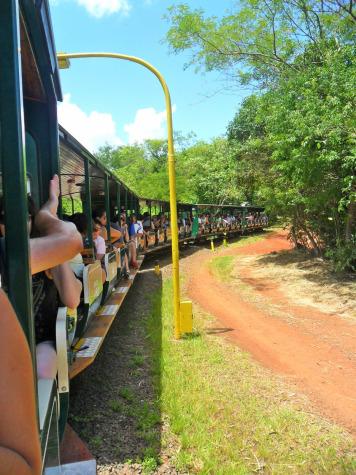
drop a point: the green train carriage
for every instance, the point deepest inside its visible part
(32, 149)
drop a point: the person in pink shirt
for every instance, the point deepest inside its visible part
(99, 242)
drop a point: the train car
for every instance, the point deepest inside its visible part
(33, 148)
(29, 91)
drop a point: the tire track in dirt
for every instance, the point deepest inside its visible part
(322, 369)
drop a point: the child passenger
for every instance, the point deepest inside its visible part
(100, 218)
(99, 242)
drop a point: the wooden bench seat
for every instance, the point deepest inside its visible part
(93, 291)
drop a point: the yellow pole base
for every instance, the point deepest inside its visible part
(212, 245)
(186, 317)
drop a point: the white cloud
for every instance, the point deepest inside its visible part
(148, 124)
(100, 8)
(91, 130)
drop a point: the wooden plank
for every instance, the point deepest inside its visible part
(100, 324)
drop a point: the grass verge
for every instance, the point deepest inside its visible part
(229, 415)
(222, 267)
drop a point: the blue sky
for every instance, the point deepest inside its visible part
(119, 102)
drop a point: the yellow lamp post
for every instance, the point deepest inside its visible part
(182, 310)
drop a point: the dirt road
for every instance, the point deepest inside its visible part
(315, 350)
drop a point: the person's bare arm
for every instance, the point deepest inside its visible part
(59, 241)
(68, 286)
(20, 452)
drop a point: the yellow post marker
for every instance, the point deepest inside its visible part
(63, 62)
(212, 245)
(186, 317)
(224, 241)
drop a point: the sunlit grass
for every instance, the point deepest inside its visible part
(229, 415)
(222, 267)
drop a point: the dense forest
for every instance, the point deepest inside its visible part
(291, 145)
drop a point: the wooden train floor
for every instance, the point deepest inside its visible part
(100, 325)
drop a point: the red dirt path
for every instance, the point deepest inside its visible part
(316, 350)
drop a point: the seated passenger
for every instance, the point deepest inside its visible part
(52, 279)
(123, 244)
(147, 227)
(100, 218)
(135, 230)
(164, 226)
(76, 263)
(156, 223)
(99, 242)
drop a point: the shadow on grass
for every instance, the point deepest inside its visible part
(115, 402)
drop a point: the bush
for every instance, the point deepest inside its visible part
(343, 256)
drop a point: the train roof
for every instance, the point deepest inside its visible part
(38, 52)
(72, 157)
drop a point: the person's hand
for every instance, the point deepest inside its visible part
(49, 209)
(54, 191)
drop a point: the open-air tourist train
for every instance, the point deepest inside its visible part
(33, 148)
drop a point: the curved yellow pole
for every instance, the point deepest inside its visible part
(63, 60)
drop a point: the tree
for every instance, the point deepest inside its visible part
(293, 142)
(259, 42)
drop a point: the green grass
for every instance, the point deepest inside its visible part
(116, 406)
(96, 442)
(126, 393)
(222, 266)
(137, 361)
(229, 415)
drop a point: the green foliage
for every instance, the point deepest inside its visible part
(291, 146)
(205, 171)
(149, 465)
(258, 41)
(344, 255)
(126, 393)
(294, 142)
(69, 206)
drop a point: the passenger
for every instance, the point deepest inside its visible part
(99, 242)
(20, 451)
(140, 231)
(100, 218)
(156, 227)
(124, 243)
(77, 263)
(164, 226)
(147, 227)
(134, 231)
(52, 279)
